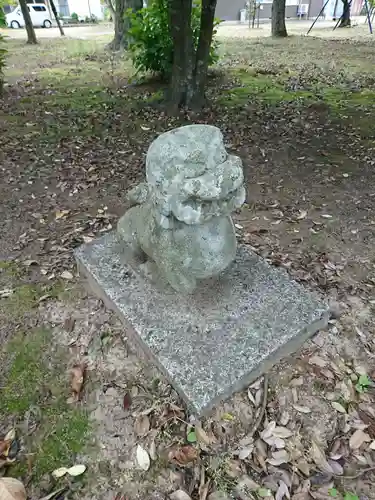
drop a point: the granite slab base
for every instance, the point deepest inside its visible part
(215, 341)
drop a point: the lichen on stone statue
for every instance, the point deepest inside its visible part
(181, 219)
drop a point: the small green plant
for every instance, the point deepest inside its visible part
(192, 436)
(74, 16)
(363, 384)
(150, 41)
(350, 496)
(91, 19)
(333, 492)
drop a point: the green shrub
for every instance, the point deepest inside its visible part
(150, 41)
(74, 16)
(91, 19)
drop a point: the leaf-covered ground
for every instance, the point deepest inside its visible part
(75, 127)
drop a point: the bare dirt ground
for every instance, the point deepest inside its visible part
(75, 129)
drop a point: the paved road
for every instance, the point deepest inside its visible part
(82, 32)
(230, 29)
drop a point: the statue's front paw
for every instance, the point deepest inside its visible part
(180, 282)
(138, 194)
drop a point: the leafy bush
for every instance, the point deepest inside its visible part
(91, 19)
(74, 16)
(150, 41)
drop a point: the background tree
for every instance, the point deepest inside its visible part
(190, 64)
(52, 3)
(150, 40)
(345, 16)
(31, 37)
(174, 38)
(111, 8)
(121, 21)
(278, 18)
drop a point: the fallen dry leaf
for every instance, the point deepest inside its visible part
(282, 432)
(318, 361)
(142, 425)
(12, 489)
(179, 495)
(302, 492)
(202, 435)
(127, 401)
(61, 213)
(4, 446)
(184, 455)
(282, 491)
(304, 467)
(76, 470)
(152, 452)
(245, 452)
(302, 409)
(336, 467)
(77, 379)
(319, 458)
(369, 420)
(338, 407)
(143, 458)
(60, 472)
(268, 430)
(279, 457)
(302, 214)
(67, 275)
(358, 438)
(53, 494)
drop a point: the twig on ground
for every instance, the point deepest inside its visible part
(258, 421)
(355, 476)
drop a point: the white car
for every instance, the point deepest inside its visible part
(38, 13)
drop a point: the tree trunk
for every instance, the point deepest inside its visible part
(111, 9)
(31, 37)
(56, 17)
(120, 40)
(278, 18)
(345, 17)
(182, 90)
(203, 50)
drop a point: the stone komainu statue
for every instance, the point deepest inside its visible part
(182, 218)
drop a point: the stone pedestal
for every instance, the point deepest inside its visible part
(213, 342)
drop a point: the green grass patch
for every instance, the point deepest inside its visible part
(9, 268)
(26, 296)
(36, 389)
(273, 89)
(265, 88)
(341, 98)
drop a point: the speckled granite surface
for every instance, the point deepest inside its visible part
(214, 342)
